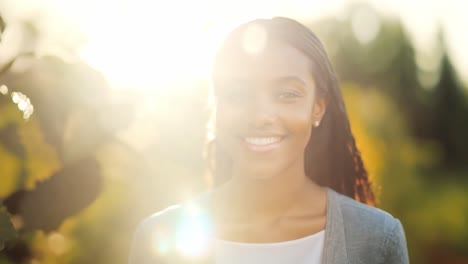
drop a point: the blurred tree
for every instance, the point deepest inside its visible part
(387, 61)
(412, 134)
(70, 109)
(7, 231)
(449, 112)
(68, 105)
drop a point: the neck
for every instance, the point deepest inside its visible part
(250, 197)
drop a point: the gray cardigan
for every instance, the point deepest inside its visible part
(354, 233)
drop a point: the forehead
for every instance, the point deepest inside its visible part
(274, 59)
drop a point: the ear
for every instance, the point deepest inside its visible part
(319, 109)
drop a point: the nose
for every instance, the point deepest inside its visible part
(262, 112)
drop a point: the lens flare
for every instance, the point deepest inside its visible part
(3, 89)
(161, 244)
(57, 243)
(24, 104)
(194, 233)
(254, 39)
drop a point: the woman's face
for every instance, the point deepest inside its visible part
(266, 107)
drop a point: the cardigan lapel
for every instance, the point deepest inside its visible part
(335, 243)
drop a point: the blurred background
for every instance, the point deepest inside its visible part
(104, 109)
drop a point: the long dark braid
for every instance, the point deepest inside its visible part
(331, 156)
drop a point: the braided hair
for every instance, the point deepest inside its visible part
(331, 156)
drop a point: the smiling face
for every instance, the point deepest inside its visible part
(266, 107)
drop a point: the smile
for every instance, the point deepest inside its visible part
(262, 144)
(262, 141)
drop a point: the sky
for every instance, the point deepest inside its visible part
(113, 41)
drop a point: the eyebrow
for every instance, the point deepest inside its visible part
(288, 79)
(283, 79)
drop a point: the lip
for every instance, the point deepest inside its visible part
(264, 143)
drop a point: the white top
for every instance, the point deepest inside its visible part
(299, 251)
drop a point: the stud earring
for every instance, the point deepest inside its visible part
(316, 123)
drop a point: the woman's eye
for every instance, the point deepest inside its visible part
(288, 95)
(235, 95)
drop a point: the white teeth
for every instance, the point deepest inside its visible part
(262, 140)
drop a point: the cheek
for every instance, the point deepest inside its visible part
(227, 121)
(302, 130)
(298, 120)
(226, 118)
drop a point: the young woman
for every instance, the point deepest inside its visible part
(293, 187)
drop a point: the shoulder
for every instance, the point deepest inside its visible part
(172, 217)
(162, 219)
(160, 235)
(144, 247)
(357, 214)
(380, 232)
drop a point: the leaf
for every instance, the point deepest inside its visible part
(52, 201)
(2, 26)
(7, 231)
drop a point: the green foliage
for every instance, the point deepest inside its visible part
(404, 170)
(7, 231)
(412, 135)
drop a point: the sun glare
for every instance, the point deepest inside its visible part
(254, 39)
(194, 233)
(147, 45)
(143, 44)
